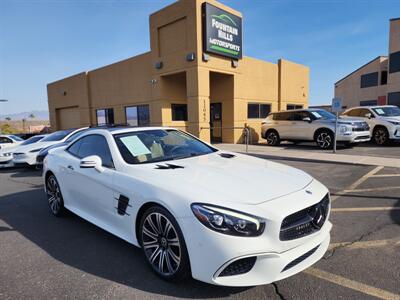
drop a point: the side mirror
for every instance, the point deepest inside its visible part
(92, 162)
(307, 119)
(368, 115)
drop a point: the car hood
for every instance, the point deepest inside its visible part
(241, 179)
(34, 146)
(393, 119)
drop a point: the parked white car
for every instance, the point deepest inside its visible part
(224, 218)
(384, 121)
(313, 125)
(6, 154)
(26, 155)
(9, 141)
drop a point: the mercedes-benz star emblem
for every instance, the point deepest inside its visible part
(318, 219)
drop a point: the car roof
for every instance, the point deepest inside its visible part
(125, 129)
(299, 109)
(371, 106)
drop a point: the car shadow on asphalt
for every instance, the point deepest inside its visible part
(20, 172)
(395, 214)
(81, 245)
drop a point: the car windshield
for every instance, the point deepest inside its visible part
(322, 114)
(32, 140)
(138, 147)
(16, 138)
(388, 111)
(56, 136)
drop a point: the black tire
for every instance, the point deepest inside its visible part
(324, 139)
(54, 196)
(161, 239)
(381, 136)
(272, 137)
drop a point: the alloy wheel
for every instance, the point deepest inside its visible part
(272, 138)
(53, 195)
(161, 244)
(324, 140)
(380, 136)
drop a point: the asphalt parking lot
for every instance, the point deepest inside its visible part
(46, 257)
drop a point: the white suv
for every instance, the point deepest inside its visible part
(384, 121)
(313, 125)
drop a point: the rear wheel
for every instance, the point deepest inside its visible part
(163, 244)
(272, 137)
(381, 136)
(324, 139)
(54, 196)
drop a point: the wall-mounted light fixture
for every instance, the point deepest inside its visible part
(159, 65)
(235, 63)
(206, 57)
(191, 57)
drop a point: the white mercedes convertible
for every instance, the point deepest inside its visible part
(220, 217)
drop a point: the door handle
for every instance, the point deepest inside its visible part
(71, 168)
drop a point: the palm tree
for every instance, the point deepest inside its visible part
(31, 116)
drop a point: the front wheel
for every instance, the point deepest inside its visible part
(163, 244)
(381, 136)
(272, 138)
(54, 196)
(324, 139)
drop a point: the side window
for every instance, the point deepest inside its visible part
(364, 112)
(5, 140)
(74, 136)
(300, 115)
(74, 148)
(96, 145)
(354, 113)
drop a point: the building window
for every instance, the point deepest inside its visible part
(394, 99)
(368, 102)
(394, 62)
(293, 106)
(384, 77)
(370, 79)
(258, 110)
(137, 115)
(105, 116)
(179, 112)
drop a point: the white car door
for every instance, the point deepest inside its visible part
(300, 129)
(91, 192)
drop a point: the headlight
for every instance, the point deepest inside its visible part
(7, 154)
(394, 122)
(228, 221)
(344, 129)
(36, 150)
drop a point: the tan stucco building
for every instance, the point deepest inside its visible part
(182, 83)
(378, 81)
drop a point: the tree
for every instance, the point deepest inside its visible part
(8, 119)
(31, 116)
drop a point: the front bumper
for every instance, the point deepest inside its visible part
(211, 252)
(355, 137)
(394, 133)
(25, 159)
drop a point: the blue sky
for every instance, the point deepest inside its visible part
(42, 41)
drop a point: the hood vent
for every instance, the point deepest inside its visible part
(227, 155)
(168, 167)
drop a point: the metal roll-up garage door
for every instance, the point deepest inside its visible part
(68, 117)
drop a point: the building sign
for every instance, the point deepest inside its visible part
(222, 32)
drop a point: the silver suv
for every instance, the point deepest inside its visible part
(313, 125)
(384, 121)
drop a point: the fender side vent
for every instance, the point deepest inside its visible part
(123, 203)
(227, 155)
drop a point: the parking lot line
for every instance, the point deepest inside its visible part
(386, 188)
(352, 284)
(357, 183)
(360, 209)
(386, 175)
(366, 244)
